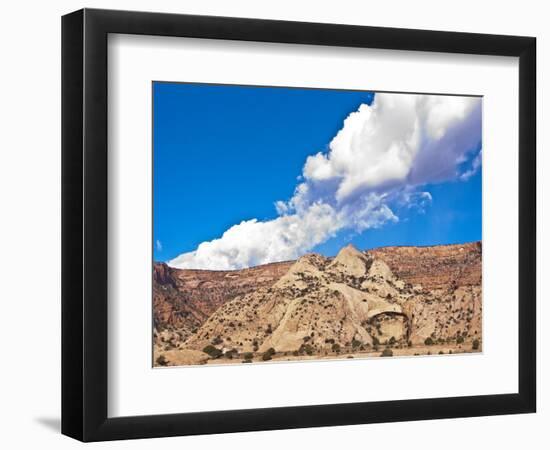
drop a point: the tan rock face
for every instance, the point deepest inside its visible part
(436, 267)
(184, 299)
(320, 306)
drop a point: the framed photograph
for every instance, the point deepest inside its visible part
(273, 224)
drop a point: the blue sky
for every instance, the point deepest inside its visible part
(224, 154)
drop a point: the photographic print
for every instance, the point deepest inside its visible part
(300, 224)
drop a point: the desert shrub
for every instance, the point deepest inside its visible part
(440, 352)
(409, 344)
(355, 343)
(392, 340)
(460, 340)
(375, 341)
(266, 356)
(217, 340)
(429, 341)
(212, 351)
(475, 344)
(387, 352)
(336, 348)
(248, 355)
(307, 349)
(161, 361)
(231, 353)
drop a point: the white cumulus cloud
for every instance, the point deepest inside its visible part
(252, 242)
(381, 157)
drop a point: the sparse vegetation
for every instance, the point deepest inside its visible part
(212, 351)
(231, 353)
(268, 354)
(307, 349)
(226, 313)
(387, 352)
(162, 361)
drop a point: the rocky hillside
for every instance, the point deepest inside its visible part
(436, 267)
(184, 299)
(395, 296)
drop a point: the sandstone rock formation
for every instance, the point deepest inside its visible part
(184, 299)
(354, 303)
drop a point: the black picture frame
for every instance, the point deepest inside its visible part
(84, 224)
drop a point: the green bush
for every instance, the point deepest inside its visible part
(429, 341)
(212, 351)
(387, 352)
(460, 340)
(392, 340)
(475, 344)
(248, 355)
(336, 348)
